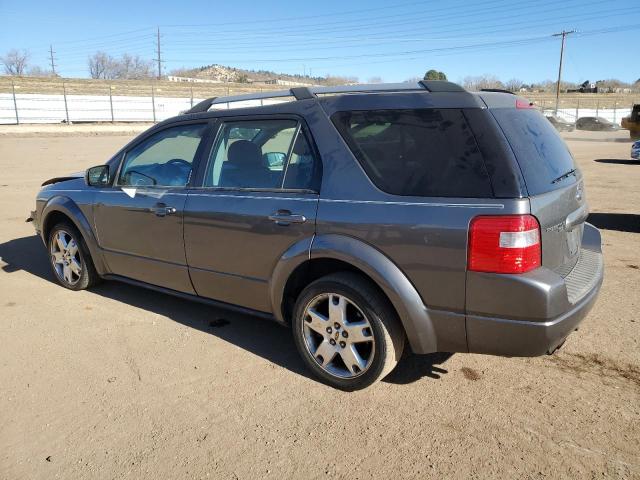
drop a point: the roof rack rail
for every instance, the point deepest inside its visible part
(305, 93)
(497, 90)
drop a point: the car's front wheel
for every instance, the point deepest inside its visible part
(346, 331)
(70, 258)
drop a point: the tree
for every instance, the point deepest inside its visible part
(513, 85)
(374, 80)
(15, 62)
(434, 75)
(482, 81)
(101, 65)
(104, 66)
(39, 72)
(132, 67)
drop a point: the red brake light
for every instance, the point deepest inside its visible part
(522, 103)
(504, 244)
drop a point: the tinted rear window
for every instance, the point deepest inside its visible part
(541, 153)
(425, 152)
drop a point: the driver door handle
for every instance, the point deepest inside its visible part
(162, 210)
(285, 218)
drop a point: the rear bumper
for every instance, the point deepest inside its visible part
(532, 314)
(519, 338)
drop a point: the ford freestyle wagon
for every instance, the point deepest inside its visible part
(370, 219)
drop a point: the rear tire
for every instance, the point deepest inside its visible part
(70, 259)
(346, 331)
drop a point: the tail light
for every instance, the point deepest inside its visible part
(522, 103)
(504, 244)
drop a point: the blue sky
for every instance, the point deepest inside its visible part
(394, 39)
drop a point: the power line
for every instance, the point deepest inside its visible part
(464, 27)
(287, 19)
(415, 18)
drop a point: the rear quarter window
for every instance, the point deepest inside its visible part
(422, 152)
(540, 151)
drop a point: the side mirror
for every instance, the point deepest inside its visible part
(97, 176)
(275, 160)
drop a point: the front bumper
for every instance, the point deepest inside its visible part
(33, 218)
(532, 314)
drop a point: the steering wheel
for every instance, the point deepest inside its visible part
(179, 161)
(176, 171)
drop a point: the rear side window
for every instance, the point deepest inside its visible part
(262, 154)
(542, 155)
(422, 152)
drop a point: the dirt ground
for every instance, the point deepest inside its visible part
(120, 382)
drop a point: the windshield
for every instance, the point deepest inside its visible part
(541, 153)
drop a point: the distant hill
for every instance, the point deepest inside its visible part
(223, 73)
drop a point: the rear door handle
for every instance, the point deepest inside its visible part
(285, 217)
(162, 210)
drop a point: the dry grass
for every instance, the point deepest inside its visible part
(161, 88)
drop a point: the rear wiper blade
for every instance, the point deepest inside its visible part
(564, 175)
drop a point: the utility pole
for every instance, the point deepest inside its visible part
(159, 59)
(562, 34)
(53, 65)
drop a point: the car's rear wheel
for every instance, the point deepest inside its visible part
(70, 258)
(346, 331)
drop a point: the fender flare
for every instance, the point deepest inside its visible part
(406, 300)
(68, 207)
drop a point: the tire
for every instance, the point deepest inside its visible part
(73, 267)
(361, 320)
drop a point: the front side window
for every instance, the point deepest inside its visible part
(164, 159)
(260, 154)
(422, 152)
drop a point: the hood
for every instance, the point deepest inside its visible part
(71, 176)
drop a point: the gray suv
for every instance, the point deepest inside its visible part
(370, 219)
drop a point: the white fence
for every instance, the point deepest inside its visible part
(41, 108)
(614, 115)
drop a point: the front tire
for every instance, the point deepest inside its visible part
(70, 259)
(346, 331)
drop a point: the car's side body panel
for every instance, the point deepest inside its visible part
(137, 243)
(72, 199)
(233, 246)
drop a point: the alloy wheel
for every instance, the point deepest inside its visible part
(65, 257)
(338, 335)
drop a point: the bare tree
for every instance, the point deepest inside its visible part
(482, 81)
(337, 80)
(15, 62)
(104, 66)
(374, 80)
(101, 65)
(132, 67)
(39, 72)
(513, 85)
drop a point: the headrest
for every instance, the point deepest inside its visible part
(244, 152)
